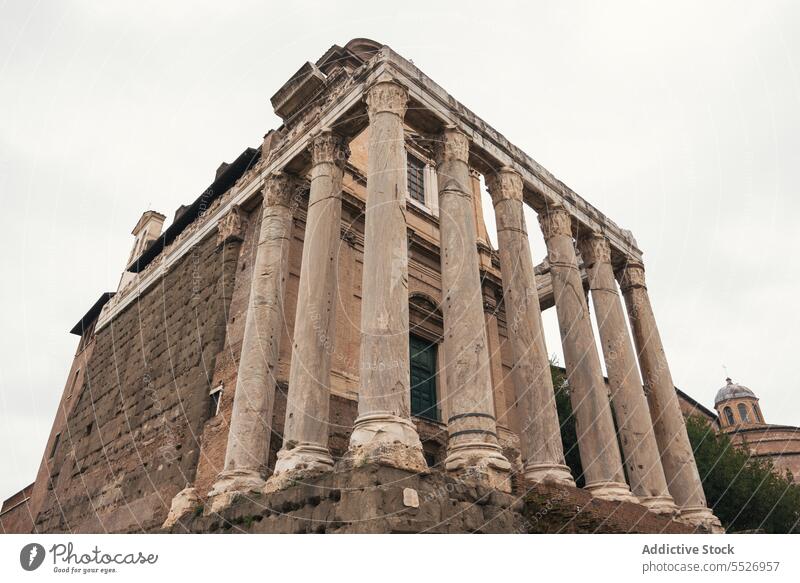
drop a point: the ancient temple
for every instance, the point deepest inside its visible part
(332, 303)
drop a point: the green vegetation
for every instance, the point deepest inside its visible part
(747, 494)
(569, 437)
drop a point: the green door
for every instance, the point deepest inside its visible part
(423, 378)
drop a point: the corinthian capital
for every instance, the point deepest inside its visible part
(555, 220)
(452, 144)
(232, 226)
(595, 248)
(631, 275)
(279, 189)
(504, 184)
(329, 147)
(386, 95)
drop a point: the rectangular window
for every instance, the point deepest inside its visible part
(423, 379)
(214, 399)
(55, 444)
(416, 179)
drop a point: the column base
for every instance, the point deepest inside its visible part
(548, 473)
(614, 491)
(241, 480)
(701, 516)
(386, 439)
(231, 483)
(663, 505)
(480, 461)
(303, 461)
(184, 502)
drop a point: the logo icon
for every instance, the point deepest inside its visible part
(31, 556)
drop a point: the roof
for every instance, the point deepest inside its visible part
(679, 392)
(90, 316)
(353, 54)
(223, 182)
(765, 428)
(696, 404)
(732, 390)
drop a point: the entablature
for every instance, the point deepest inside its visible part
(338, 103)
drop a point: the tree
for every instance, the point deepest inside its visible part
(746, 493)
(569, 435)
(566, 418)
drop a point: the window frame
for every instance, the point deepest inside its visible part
(434, 413)
(215, 396)
(429, 185)
(415, 163)
(729, 415)
(744, 417)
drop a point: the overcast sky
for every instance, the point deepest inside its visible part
(679, 121)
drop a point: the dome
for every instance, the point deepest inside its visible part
(732, 391)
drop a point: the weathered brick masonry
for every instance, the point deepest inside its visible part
(132, 440)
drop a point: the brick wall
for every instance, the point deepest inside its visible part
(15, 515)
(131, 441)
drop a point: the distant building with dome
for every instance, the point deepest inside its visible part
(740, 417)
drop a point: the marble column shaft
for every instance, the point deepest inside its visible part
(251, 419)
(597, 439)
(677, 456)
(383, 431)
(472, 445)
(539, 430)
(230, 234)
(305, 435)
(636, 436)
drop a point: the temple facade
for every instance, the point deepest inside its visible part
(332, 301)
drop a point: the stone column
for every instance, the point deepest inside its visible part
(539, 430)
(383, 431)
(251, 419)
(472, 448)
(305, 434)
(669, 426)
(502, 407)
(230, 234)
(597, 440)
(636, 435)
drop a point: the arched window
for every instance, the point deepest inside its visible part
(757, 414)
(729, 416)
(743, 413)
